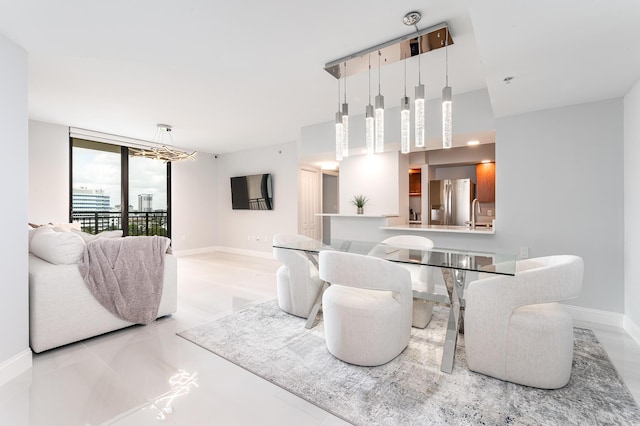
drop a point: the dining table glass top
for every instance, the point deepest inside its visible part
(467, 260)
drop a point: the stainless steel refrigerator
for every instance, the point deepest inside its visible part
(450, 201)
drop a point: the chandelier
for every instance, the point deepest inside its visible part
(164, 151)
(414, 44)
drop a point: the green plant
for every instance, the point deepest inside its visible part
(359, 201)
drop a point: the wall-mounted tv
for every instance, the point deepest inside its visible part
(253, 192)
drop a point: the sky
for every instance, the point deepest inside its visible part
(101, 170)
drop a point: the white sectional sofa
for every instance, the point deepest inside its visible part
(62, 310)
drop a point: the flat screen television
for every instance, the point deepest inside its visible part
(253, 192)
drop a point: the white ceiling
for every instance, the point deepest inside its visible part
(235, 75)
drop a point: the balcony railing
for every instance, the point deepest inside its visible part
(140, 223)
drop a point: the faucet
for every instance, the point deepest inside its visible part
(474, 203)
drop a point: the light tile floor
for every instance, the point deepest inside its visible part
(149, 376)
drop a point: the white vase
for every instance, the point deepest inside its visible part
(360, 210)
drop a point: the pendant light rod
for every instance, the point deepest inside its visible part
(339, 95)
(369, 125)
(369, 78)
(339, 130)
(379, 115)
(345, 118)
(446, 56)
(345, 82)
(419, 111)
(419, 59)
(379, 69)
(334, 67)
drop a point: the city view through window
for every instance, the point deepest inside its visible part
(97, 191)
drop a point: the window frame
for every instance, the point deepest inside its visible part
(124, 184)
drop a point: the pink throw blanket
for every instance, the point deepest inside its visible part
(126, 275)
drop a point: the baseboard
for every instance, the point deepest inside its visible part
(13, 367)
(231, 250)
(245, 252)
(189, 252)
(632, 328)
(597, 316)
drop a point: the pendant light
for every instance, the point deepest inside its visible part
(339, 130)
(419, 102)
(379, 114)
(345, 118)
(163, 150)
(447, 135)
(368, 119)
(405, 116)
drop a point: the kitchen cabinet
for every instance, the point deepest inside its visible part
(486, 182)
(415, 195)
(415, 184)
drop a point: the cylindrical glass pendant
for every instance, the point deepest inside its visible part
(447, 135)
(419, 116)
(405, 125)
(379, 123)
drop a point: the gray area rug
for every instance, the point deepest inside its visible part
(411, 390)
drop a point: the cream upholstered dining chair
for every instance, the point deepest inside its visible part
(422, 277)
(297, 281)
(366, 309)
(513, 329)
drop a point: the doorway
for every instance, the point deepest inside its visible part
(309, 203)
(329, 202)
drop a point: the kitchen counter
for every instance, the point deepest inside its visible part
(442, 228)
(363, 216)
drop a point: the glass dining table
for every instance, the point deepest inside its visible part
(456, 266)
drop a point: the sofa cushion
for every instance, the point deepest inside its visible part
(60, 248)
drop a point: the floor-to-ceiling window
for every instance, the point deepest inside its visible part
(148, 183)
(112, 189)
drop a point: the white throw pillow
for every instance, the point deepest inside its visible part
(59, 248)
(60, 227)
(66, 226)
(104, 234)
(34, 231)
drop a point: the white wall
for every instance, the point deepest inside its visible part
(378, 178)
(632, 211)
(559, 184)
(194, 208)
(236, 227)
(48, 173)
(15, 356)
(559, 191)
